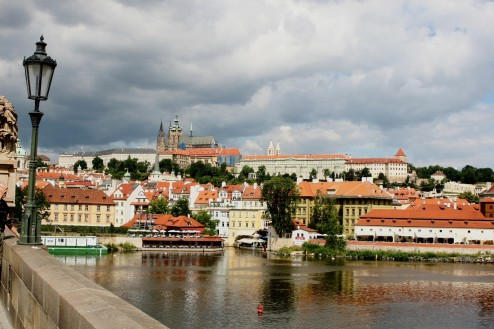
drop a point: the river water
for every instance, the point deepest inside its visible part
(224, 290)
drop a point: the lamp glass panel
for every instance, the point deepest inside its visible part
(34, 78)
(47, 74)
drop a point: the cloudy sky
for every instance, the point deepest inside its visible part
(359, 77)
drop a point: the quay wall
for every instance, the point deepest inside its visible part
(464, 249)
(38, 291)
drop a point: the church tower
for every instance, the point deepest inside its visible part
(160, 140)
(174, 133)
(271, 148)
(278, 149)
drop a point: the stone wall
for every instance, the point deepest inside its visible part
(38, 291)
(463, 249)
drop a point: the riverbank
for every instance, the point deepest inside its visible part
(450, 255)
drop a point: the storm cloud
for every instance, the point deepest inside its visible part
(358, 77)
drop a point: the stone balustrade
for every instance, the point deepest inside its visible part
(38, 291)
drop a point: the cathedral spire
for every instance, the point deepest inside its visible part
(161, 126)
(191, 129)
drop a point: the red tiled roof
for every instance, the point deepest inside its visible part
(205, 196)
(76, 195)
(437, 223)
(167, 221)
(400, 153)
(83, 183)
(439, 201)
(432, 212)
(56, 175)
(342, 189)
(252, 193)
(125, 189)
(301, 226)
(229, 151)
(487, 199)
(374, 160)
(296, 156)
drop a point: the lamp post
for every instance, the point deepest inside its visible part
(39, 69)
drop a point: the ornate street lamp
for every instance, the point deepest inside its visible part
(39, 70)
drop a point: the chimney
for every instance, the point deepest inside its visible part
(454, 206)
(255, 186)
(223, 184)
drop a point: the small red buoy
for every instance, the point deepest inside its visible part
(260, 309)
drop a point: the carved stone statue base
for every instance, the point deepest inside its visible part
(8, 177)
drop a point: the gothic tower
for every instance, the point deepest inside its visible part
(174, 133)
(160, 140)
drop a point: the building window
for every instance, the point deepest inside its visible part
(56, 216)
(86, 218)
(64, 207)
(98, 208)
(252, 224)
(71, 217)
(98, 218)
(79, 217)
(80, 207)
(55, 207)
(107, 218)
(87, 207)
(71, 207)
(107, 208)
(64, 217)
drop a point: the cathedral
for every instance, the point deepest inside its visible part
(176, 141)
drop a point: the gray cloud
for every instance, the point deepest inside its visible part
(319, 76)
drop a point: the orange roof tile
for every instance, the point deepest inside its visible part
(205, 196)
(252, 193)
(400, 153)
(342, 189)
(374, 160)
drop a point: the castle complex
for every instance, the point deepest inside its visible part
(176, 141)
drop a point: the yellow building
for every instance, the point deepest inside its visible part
(248, 215)
(352, 199)
(81, 207)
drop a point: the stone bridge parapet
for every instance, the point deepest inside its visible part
(38, 291)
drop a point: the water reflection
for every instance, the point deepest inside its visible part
(224, 290)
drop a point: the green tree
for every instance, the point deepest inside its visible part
(158, 206)
(469, 175)
(82, 164)
(326, 173)
(39, 163)
(261, 174)
(325, 219)
(470, 197)
(280, 195)
(98, 164)
(21, 199)
(350, 175)
(181, 208)
(246, 170)
(204, 218)
(365, 173)
(384, 179)
(313, 174)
